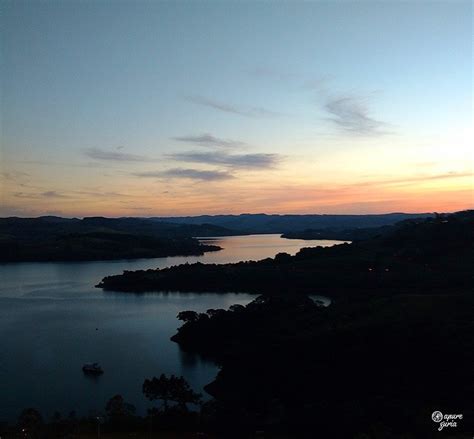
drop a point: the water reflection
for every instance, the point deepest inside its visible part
(53, 320)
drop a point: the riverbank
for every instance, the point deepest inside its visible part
(49, 313)
(288, 364)
(432, 254)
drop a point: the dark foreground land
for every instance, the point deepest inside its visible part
(396, 344)
(290, 365)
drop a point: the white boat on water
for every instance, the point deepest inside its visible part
(92, 369)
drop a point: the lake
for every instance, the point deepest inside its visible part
(52, 320)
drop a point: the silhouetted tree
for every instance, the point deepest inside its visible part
(174, 389)
(283, 257)
(188, 316)
(214, 312)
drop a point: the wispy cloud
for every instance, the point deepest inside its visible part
(53, 194)
(415, 179)
(77, 194)
(40, 195)
(7, 210)
(139, 208)
(240, 161)
(89, 164)
(347, 112)
(255, 112)
(14, 176)
(351, 115)
(100, 154)
(207, 139)
(99, 194)
(192, 174)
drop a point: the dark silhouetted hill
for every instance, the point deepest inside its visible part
(397, 345)
(97, 238)
(343, 371)
(435, 252)
(263, 223)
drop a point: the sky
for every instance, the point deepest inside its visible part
(157, 108)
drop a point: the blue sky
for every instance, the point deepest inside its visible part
(180, 107)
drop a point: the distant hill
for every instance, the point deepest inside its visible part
(263, 223)
(96, 238)
(435, 253)
(47, 226)
(51, 238)
(400, 322)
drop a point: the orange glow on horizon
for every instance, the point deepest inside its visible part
(376, 197)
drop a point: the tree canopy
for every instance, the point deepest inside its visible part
(175, 389)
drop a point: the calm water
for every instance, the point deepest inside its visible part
(52, 320)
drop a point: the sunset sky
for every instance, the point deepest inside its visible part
(150, 108)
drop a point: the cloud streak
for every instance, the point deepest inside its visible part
(100, 154)
(207, 139)
(191, 174)
(40, 195)
(236, 161)
(253, 112)
(14, 176)
(416, 179)
(351, 115)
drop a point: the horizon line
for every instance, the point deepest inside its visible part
(240, 214)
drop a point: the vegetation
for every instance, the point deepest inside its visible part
(356, 234)
(396, 344)
(119, 412)
(174, 389)
(52, 238)
(435, 253)
(371, 368)
(119, 416)
(376, 363)
(60, 239)
(263, 223)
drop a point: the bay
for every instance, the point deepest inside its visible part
(52, 320)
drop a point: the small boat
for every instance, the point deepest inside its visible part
(92, 369)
